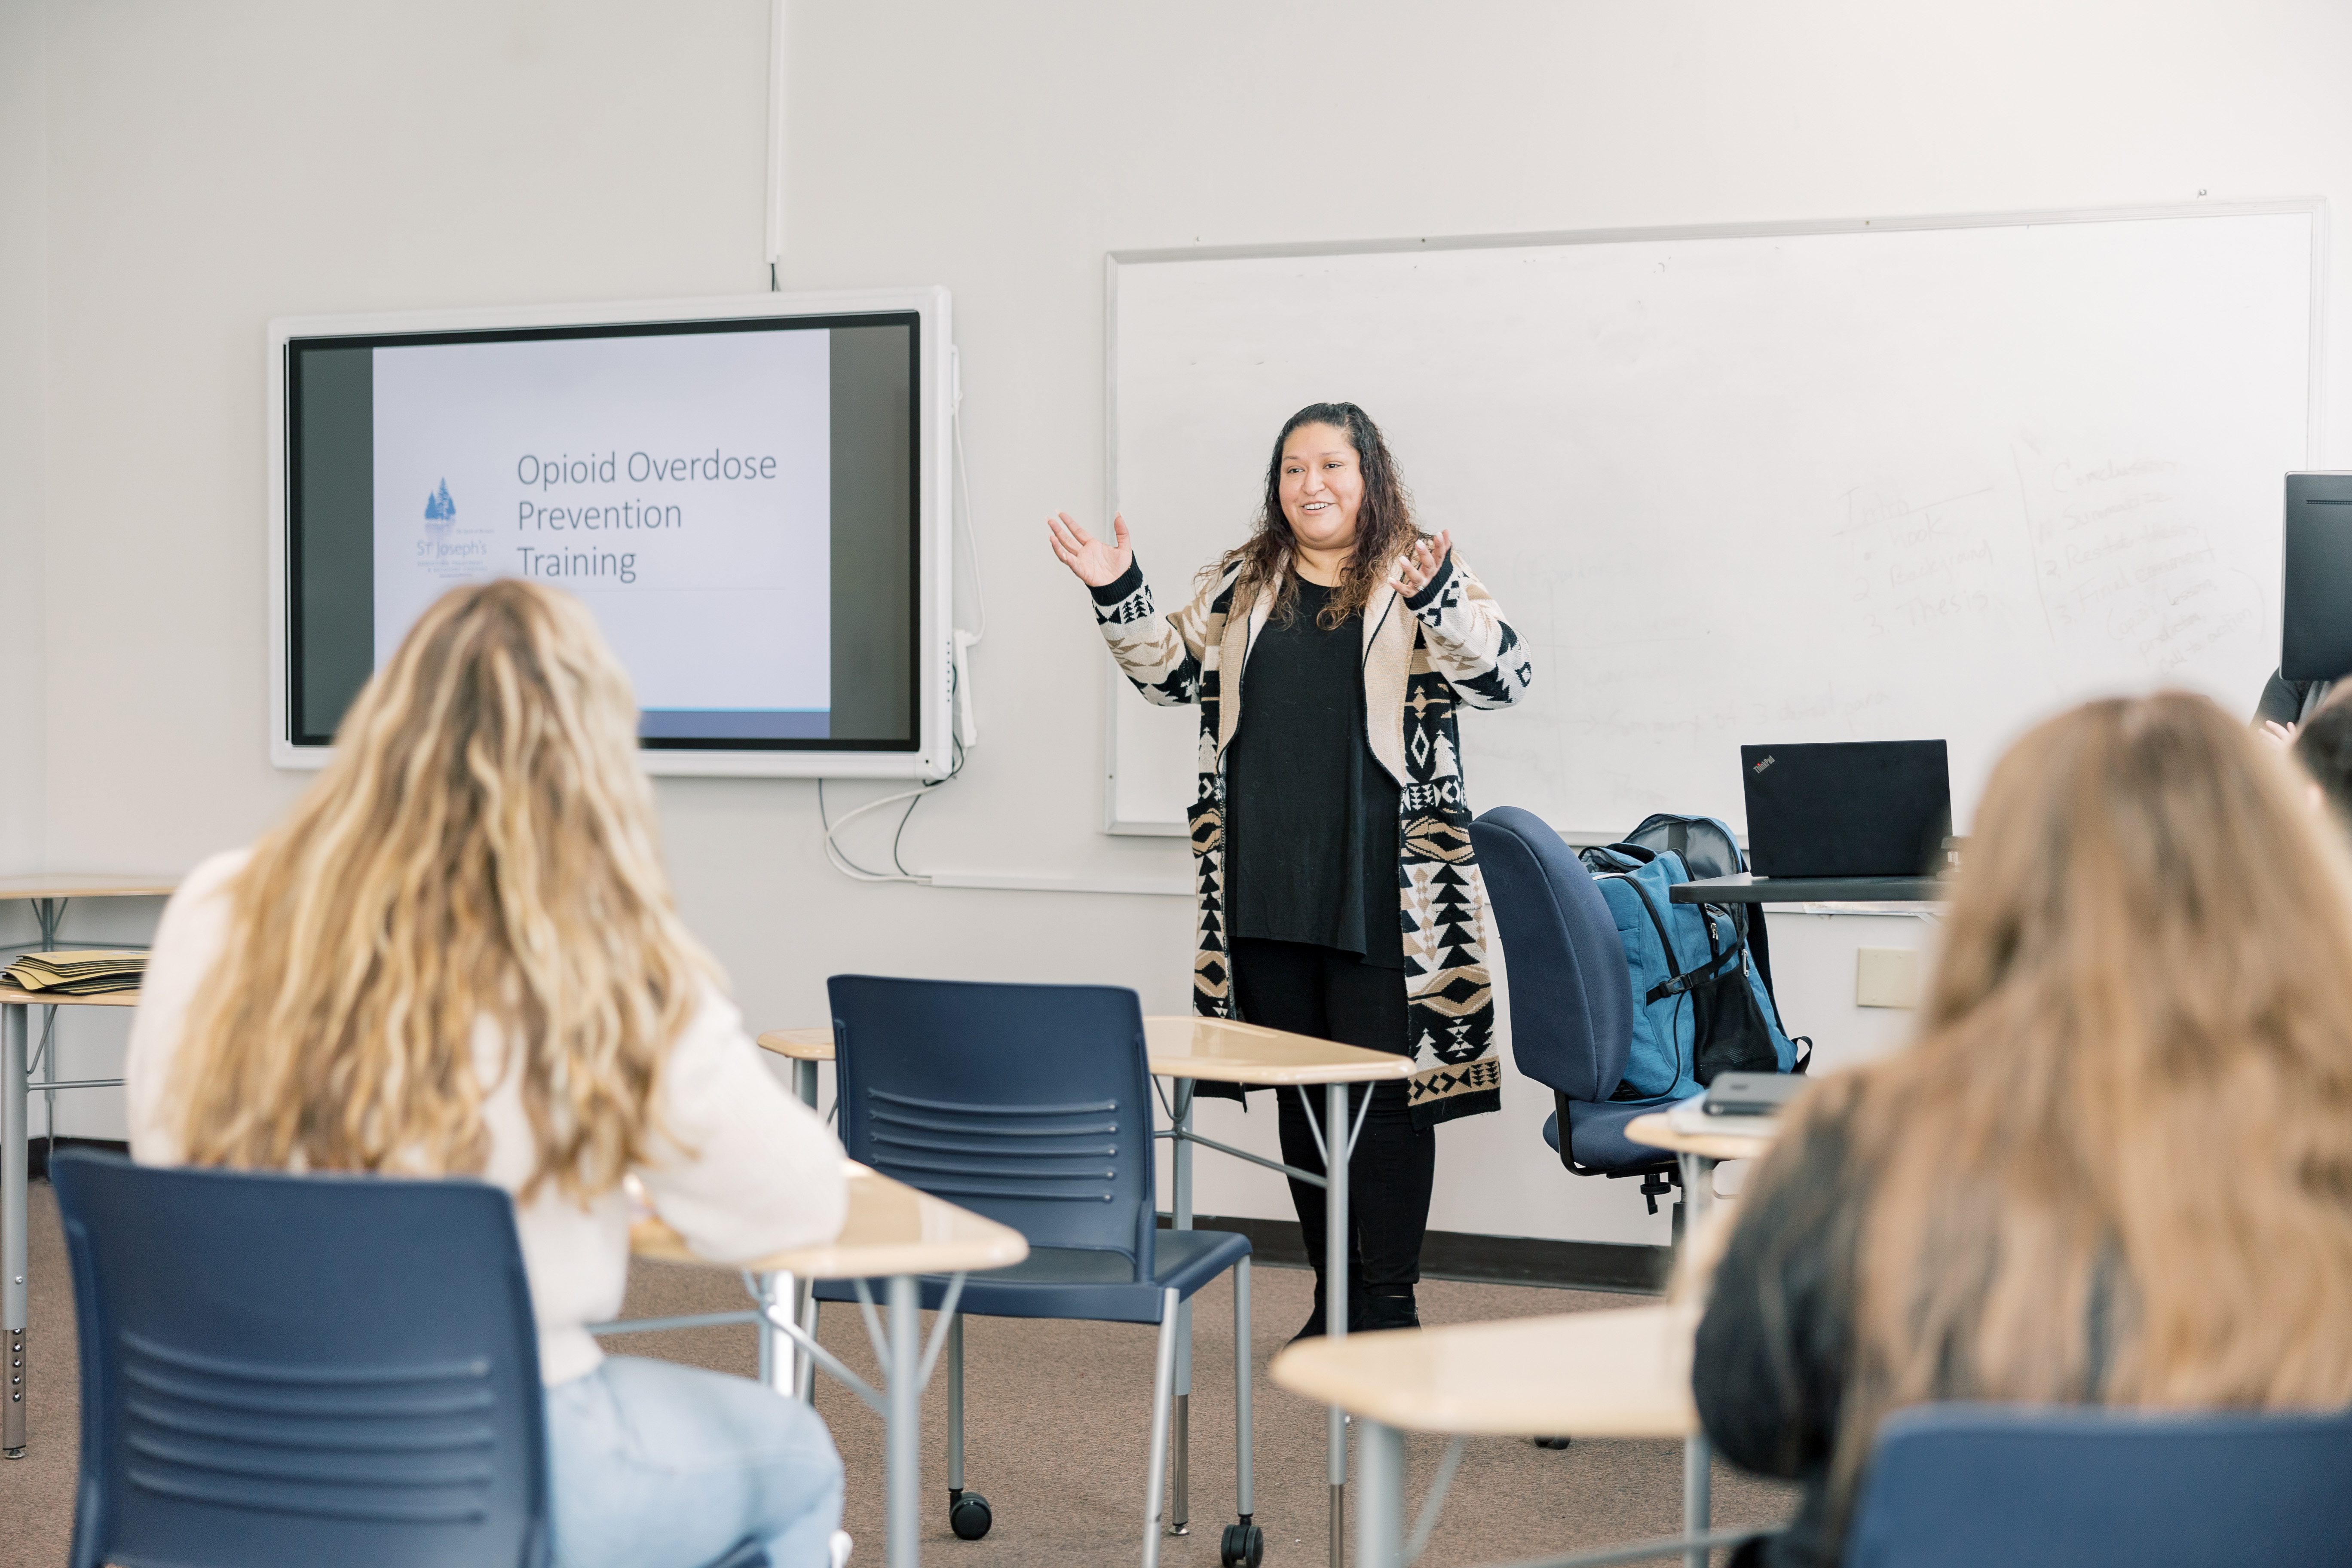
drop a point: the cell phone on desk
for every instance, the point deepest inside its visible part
(1752, 1093)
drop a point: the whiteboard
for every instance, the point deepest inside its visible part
(1868, 480)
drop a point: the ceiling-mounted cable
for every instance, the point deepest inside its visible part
(775, 144)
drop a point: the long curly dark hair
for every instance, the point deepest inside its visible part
(1384, 523)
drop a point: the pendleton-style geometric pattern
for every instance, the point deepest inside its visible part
(1446, 645)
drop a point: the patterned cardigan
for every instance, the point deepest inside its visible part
(1448, 643)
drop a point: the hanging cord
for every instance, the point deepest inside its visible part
(840, 857)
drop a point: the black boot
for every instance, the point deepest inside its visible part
(1315, 1324)
(1389, 1306)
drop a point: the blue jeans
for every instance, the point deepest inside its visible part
(655, 1464)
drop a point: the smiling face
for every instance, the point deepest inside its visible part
(1322, 486)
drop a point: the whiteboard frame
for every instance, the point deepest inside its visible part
(1114, 683)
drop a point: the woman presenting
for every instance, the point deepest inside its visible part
(1338, 897)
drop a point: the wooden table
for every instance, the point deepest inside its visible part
(15, 1108)
(1601, 1374)
(892, 1232)
(1186, 1050)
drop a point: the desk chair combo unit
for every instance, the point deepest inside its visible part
(1030, 1104)
(1185, 1050)
(281, 1372)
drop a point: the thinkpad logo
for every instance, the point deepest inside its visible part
(1760, 766)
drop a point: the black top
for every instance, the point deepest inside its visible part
(1311, 818)
(2281, 699)
(1777, 1346)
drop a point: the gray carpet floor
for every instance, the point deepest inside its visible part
(1056, 1434)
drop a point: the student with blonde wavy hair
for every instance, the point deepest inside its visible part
(2114, 1167)
(458, 955)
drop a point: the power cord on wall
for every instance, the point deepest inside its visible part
(958, 696)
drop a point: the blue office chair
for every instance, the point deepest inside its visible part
(1032, 1104)
(1571, 999)
(281, 1372)
(1958, 1486)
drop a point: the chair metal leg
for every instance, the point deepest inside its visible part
(1242, 1370)
(804, 1364)
(955, 1406)
(1163, 1381)
(1180, 1515)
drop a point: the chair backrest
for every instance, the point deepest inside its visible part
(1954, 1485)
(301, 1369)
(1571, 995)
(1030, 1104)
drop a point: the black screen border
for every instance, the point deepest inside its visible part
(911, 319)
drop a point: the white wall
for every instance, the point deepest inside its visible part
(209, 166)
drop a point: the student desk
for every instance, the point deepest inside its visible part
(15, 1086)
(1603, 1374)
(1188, 1050)
(891, 1232)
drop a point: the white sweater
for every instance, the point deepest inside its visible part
(766, 1174)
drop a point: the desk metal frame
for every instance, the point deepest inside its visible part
(16, 1066)
(900, 1348)
(1178, 1103)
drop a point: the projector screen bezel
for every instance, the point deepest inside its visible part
(930, 758)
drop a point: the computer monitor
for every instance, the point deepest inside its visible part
(2315, 614)
(750, 494)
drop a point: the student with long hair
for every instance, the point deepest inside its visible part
(1338, 894)
(458, 955)
(2116, 1165)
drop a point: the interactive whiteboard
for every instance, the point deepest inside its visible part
(1888, 480)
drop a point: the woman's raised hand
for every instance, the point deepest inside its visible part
(1421, 563)
(1095, 564)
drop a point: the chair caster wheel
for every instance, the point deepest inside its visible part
(968, 1516)
(1244, 1546)
(1551, 1442)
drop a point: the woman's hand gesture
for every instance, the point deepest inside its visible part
(1419, 567)
(1092, 562)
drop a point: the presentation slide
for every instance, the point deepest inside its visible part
(679, 484)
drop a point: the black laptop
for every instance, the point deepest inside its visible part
(1847, 808)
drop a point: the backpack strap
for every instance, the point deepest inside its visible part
(1676, 982)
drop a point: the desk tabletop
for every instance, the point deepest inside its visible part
(800, 1045)
(1655, 1130)
(1750, 888)
(84, 885)
(891, 1229)
(1180, 1046)
(1221, 1051)
(11, 996)
(1623, 1374)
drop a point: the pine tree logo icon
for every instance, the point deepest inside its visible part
(439, 509)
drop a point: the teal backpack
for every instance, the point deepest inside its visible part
(1701, 1004)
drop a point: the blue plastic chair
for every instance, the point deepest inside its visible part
(1571, 998)
(282, 1372)
(1032, 1104)
(1959, 1485)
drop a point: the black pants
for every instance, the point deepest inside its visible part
(1335, 996)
